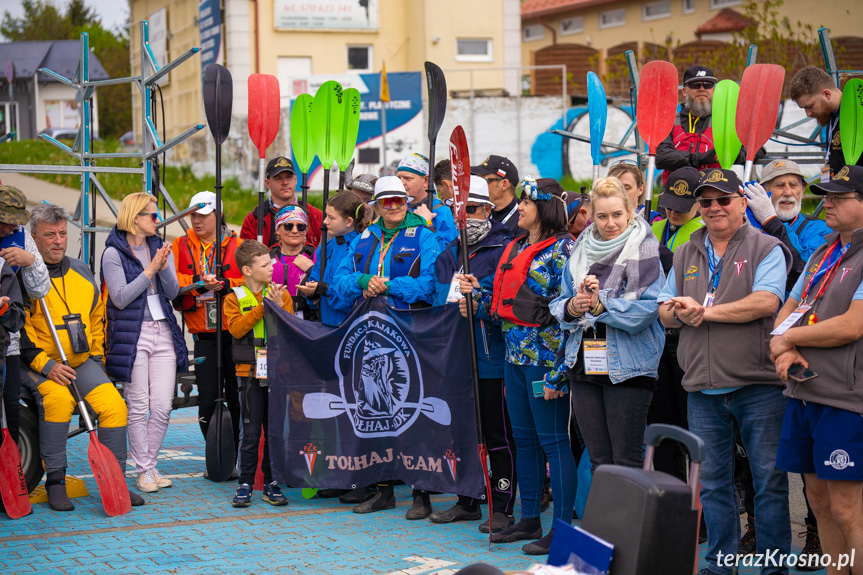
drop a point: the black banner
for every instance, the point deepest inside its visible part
(387, 395)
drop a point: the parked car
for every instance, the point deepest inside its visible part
(128, 139)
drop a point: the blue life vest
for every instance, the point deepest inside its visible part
(14, 240)
(404, 259)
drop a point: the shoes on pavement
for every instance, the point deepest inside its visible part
(499, 522)
(456, 513)
(243, 497)
(383, 499)
(521, 531)
(747, 543)
(812, 549)
(146, 482)
(161, 480)
(540, 546)
(358, 495)
(421, 507)
(273, 495)
(136, 499)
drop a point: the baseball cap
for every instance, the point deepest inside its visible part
(363, 185)
(848, 179)
(389, 187)
(497, 166)
(698, 73)
(725, 181)
(778, 168)
(478, 193)
(278, 165)
(13, 206)
(677, 194)
(207, 198)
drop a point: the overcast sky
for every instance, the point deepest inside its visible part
(113, 13)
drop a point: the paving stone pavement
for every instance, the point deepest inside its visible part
(192, 528)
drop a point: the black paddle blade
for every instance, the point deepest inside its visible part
(436, 83)
(218, 99)
(221, 456)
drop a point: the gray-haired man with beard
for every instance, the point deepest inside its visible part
(691, 140)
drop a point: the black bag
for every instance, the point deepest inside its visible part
(650, 517)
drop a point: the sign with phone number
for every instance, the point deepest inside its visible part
(326, 14)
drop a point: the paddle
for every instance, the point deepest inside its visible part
(328, 126)
(220, 453)
(301, 139)
(436, 83)
(725, 140)
(264, 112)
(460, 164)
(758, 108)
(851, 121)
(106, 469)
(13, 487)
(327, 405)
(345, 152)
(655, 112)
(597, 109)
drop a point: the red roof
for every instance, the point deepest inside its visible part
(538, 8)
(726, 20)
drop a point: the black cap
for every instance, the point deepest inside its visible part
(848, 179)
(698, 74)
(678, 192)
(725, 181)
(497, 166)
(278, 165)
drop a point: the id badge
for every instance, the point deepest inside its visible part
(454, 294)
(77, 333)
(212, 313)
(708, 299)
(205, 297)
(825, 174)
(155, 306)
(595, 357)
(261, 363)
(791, 319)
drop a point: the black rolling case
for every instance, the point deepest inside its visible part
(650, 517)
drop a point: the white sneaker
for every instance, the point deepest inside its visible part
(161, 480)
(146, 482)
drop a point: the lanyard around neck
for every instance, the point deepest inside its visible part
(384, 250)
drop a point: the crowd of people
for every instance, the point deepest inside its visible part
(593, 320)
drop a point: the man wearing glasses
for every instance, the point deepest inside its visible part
(723, 292)
(502, 178)
(817, 340)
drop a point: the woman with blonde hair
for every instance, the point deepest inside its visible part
(608, 305)
(144, 344)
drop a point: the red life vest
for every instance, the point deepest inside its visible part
(512, 299)
(694, 143)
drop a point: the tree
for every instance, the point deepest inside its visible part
(41, 21)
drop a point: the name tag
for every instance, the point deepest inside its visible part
(825, 174)
(708, 299)
(261, 363)
(791, 319)
(454, 294)
(205, 297)
(212, 313)
(595, 357)
(155, 306)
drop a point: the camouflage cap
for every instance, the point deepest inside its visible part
(13, 206)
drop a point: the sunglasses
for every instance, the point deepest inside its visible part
(490, 180)
(700, 85)
(392, 203)
(473, 209)
(707, 202)
(624, 161)
(154, 215)
(289, 227)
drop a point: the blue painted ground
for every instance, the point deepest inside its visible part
(192, 528)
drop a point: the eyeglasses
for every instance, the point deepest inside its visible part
(705, 203)
(473, 209)
(392, 203)
(154, 215)
(832, 198)
(490, 180)
(700, 85)
(289, 227)
(624, 161)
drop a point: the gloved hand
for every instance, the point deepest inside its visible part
(759, 202)
(704, 158)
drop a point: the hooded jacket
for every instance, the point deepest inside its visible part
(333, 312)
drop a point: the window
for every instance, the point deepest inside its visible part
(574, 25)
(717, 4)
(360, 58)
(655, 10)
(533, 32)
(688, 6)
(473, 50)
(612, 18)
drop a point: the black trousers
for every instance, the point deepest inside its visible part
(208, 388)
(12, 394)
(669, 406)
(497, 430)
(254, 403)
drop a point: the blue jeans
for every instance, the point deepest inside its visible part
(539, 425)
(757, 411)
